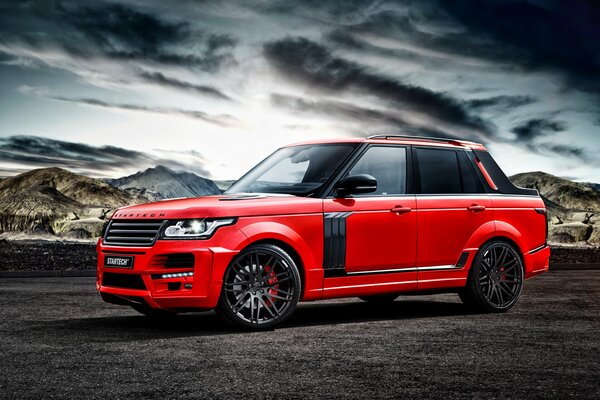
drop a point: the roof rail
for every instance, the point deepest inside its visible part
(435, 139)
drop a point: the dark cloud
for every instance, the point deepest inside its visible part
(118, 32)
(526, 34)
(566, 150)
(501, 103)
(550, 34)
(537, 127)
(376, 120)
(34, 151)
(30, 152)
(224, 120)
(160, 79)
(310, 63)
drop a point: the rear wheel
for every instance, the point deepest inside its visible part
(495, 279)
(261, 288)
(380, 298)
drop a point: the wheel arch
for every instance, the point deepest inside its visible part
(496, 230)
(288, 240)
(291, 251)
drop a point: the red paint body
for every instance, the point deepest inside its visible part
(404, 250)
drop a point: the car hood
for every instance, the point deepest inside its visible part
(234, 205)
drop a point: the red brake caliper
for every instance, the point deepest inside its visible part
(272, 281)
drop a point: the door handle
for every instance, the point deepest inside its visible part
(476, 208)
(401, 210)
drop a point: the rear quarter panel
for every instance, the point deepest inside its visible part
(516, 218)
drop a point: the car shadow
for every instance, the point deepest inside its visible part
(137, 327)
(360, 311)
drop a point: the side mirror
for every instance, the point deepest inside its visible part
(356, 184)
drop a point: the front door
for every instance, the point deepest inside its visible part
(374, 232)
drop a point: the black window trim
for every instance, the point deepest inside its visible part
(357, 156)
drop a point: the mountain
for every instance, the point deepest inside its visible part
(595, 186)
(87, 191)
(56, 201)
(573, 208)
(560, 191)
(223, 185)
(163, 183)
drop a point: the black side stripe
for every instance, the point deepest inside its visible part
(334, 251)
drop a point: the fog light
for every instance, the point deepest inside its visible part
(177, 275)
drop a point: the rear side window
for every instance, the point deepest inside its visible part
(438, 171)
(468, 176)
(387, 164)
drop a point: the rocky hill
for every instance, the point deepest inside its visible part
(163, 183)
(56, 201)
(560, 191)
(574, 208)
(87, 191)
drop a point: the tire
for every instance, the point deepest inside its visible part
(495, 280)
(153, 312)
(380, 298)
(261, 288)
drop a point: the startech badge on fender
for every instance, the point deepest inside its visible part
(118, 262)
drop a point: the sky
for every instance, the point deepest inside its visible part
(108, 88)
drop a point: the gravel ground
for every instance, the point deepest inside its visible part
(59, 340)
(34, 255)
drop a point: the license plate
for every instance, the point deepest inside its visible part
(118, 262)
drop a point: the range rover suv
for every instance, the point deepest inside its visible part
(370, 218)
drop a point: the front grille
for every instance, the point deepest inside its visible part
(125, 281)
(132, 232)
(174, 260)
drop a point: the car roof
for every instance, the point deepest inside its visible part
(401, 139)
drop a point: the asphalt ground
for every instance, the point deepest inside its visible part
(59, 340)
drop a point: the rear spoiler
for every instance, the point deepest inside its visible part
(499, 180)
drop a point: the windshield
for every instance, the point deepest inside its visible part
(297, 170)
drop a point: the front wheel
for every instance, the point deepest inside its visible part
(495, 279)
(261, 288)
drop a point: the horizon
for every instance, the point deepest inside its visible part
(107, 89)
(235, 179)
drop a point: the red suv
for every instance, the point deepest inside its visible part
(372, 218)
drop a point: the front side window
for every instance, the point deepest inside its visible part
(296, 170)
(387, 164)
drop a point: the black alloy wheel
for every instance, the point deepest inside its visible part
(495, 279)
(261, 288)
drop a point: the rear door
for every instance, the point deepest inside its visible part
(451, 206)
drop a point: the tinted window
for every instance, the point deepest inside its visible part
(469, 178)
(438, 171)
(386, 164)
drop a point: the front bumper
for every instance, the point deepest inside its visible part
(146, 281)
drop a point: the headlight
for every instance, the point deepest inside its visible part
(194, 228)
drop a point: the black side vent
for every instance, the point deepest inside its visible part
(462, 260)
(141, 232)
(334, 252)
(125, 281)
(180, 260)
